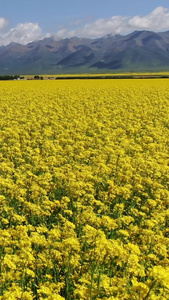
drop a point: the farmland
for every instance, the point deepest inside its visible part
(84, 189)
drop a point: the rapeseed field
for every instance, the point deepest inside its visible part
(84, 190)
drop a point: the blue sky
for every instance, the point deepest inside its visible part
(23, 21)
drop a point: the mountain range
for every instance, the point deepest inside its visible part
(137, 51)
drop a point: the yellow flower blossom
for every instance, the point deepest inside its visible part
(84, 177)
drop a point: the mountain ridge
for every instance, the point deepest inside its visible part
(136, 51)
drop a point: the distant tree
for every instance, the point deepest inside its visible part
(9, 77)
(38, 77)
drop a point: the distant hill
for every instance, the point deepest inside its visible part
(137, 51)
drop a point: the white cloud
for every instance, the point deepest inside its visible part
(23, 33)
(101, 27)
(62, 33)
(3, 24)
(157, 20)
